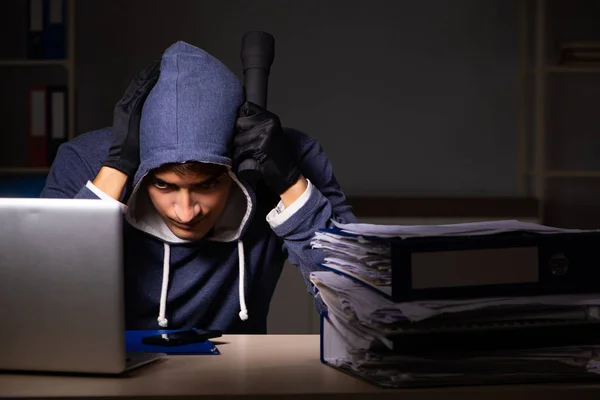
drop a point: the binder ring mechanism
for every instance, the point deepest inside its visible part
(559, 264)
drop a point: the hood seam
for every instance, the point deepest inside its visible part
(177, 101)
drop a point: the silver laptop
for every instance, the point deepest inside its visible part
(61, 287)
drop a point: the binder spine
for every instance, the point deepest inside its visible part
(54, 37)
(37, 140)
(57, 119)
(566, 264)
(35, 29)
(322, 338)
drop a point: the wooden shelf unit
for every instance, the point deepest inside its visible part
(558, 132)
(68, 64)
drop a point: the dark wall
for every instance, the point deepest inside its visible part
(406, 97)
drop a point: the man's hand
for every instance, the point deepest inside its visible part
(124, 155)
(260, 138)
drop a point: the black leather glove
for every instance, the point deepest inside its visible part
(124, 153)
(260, 139)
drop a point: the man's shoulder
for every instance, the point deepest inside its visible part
(303, 143)
(89, 148)
(305, 146)
(91, 145)
(298, 136)
(93, 139)
(76, 162)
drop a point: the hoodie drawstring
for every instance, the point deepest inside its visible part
(162, 320)
(243, 310)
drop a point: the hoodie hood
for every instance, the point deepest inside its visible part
(190, 115)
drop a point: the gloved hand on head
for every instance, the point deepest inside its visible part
(124, 153)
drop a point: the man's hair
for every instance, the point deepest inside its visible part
(192, 168)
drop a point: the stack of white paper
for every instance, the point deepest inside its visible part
(549, 364)
(362, 256)
(368, 321)
(368, 316)
(371, 261)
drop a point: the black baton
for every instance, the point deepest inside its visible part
(258, 52)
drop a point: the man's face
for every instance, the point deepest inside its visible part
(189, 204)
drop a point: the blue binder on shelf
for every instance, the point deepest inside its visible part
(133, 344)
(55, 32)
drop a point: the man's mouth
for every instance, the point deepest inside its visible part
(187, 227)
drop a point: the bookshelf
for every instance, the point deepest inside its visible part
(19, 72)
(24, 170)
(33, 63)
(560, 124)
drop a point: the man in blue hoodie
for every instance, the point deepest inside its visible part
(203, 248)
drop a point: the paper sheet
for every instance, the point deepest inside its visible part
(462, 229)
(371, 307)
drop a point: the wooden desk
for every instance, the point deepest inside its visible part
(260, 367)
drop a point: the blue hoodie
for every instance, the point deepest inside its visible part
(225, 280)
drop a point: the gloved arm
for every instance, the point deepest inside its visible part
(123, 157)
(285, 158)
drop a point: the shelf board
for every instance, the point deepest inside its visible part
(570, 173)
(568, 69)
(24, 170)
(32, 63)
(573, 174)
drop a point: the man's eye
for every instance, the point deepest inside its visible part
(161, 185)
(210, 184)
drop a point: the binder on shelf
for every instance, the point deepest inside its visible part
(54, 36)
(57, 120)
(35, 29)
(37, 140)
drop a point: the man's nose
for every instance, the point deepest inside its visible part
(185, 207)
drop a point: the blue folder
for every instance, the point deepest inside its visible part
(13, 185)
(133, 344)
